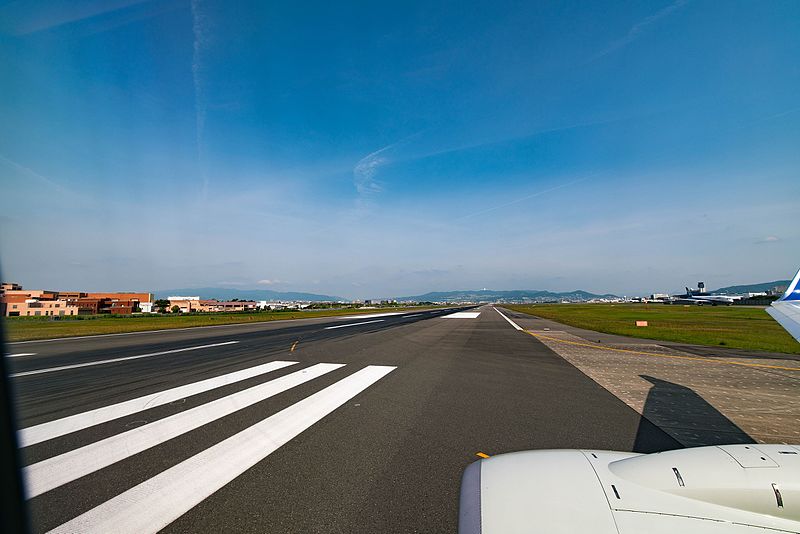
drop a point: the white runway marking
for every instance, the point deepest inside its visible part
(462, 315)
(20, 354)
(162, 331)
(371, 315)
(157, 502)
(58, 470)
(73, 423)
(112, 360)
(352, 324)
(512, 323)
(415, 315)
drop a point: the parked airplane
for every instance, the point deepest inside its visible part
(699, 297)
(786, 310)
(706, 490)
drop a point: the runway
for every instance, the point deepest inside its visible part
(359, 424)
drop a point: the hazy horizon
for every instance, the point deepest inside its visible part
(245, 289)
(366, 150)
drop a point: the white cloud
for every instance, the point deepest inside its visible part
(365, 171)
(367, 168)
(769, 239)
(268, 282)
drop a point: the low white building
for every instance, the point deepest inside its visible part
(264, 304)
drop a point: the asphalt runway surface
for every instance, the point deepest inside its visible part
(322, 425)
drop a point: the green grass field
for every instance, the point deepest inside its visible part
(29, 328)
(729, 326)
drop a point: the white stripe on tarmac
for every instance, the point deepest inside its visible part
(370, 315)
(415, 315)
(112, 360)
(20, 354)
(353, 324)
(157, 502)
(512, 323)
(462, 315)
(58, 470)
(73, 423)
(161, 331)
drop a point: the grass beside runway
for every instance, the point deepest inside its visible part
(27, 329)
(729, 326)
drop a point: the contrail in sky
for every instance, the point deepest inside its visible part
(526, 197)
(200, 102)
(33, 174)
(637, 29)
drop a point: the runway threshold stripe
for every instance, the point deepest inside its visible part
(158, 501)
(112, 360)
(353, 324)
(512, 323)
(73, 423)
(58, 470)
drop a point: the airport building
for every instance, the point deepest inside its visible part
(196, 304)
(16, 301)
(23, 306)
(231, 306)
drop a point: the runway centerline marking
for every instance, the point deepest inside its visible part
(674, 356)
(160, 500)
(353, 324)
(73, 423)
(169, 330)
(462, 315)
(414, 315)
(20, 354)
(370, 315)
(512, 323)
(59, 470)
(123, 359)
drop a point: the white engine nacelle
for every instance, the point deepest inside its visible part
(730, 488)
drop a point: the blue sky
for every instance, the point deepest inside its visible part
(383, 149)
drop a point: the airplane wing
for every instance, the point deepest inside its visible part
(704, 490)
(786, 310)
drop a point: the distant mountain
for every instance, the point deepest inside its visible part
(751, 288)
(491, 295)
(224, 293)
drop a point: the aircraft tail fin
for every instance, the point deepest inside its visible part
(786, 310)
(792, 292)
